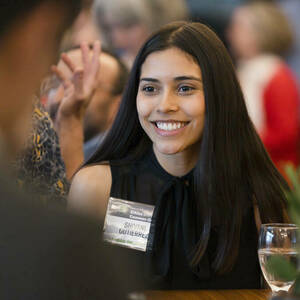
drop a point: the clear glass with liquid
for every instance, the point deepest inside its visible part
(277, 239)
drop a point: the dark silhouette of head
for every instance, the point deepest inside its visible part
(30, 34)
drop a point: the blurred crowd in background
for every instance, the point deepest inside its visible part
(263, 38)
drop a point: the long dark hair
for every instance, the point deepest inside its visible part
(234, 169)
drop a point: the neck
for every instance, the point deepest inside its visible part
(178, 164)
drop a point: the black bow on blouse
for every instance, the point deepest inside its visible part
(174, 232)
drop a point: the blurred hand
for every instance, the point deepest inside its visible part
(80, 86)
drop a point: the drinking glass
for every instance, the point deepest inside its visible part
(277, 239)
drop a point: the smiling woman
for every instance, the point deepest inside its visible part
(171, 107)
(183, 149)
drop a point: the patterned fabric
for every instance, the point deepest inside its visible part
(40, 169)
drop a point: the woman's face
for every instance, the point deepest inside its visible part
(170, 101)
(241, 35)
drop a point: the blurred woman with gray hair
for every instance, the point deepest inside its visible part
(126, 24)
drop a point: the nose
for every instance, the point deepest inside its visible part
(167, 103)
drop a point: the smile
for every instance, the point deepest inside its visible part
(169, 126)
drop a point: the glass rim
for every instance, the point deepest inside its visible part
(280, 225)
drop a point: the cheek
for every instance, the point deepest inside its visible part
(98, 104)
(144, 107)
(200, 115)
(195, 109)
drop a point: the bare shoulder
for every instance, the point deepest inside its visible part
(90, 190)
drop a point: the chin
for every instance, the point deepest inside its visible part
(167, 149)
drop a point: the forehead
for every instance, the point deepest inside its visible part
(243, 17)
(170, 63)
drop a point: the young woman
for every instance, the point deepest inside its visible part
(183, 142)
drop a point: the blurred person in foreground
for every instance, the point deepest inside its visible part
(259, 35)
(45, 254)
(126, 24)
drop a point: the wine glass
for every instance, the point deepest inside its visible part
(277, 239)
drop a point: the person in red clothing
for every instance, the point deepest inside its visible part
(259, 34)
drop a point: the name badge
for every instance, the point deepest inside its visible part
(128, 223)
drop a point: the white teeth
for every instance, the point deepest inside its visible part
(170, 126)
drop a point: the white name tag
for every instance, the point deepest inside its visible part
(128, 223)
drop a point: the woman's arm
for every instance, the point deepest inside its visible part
(78, 91)
(90, 190)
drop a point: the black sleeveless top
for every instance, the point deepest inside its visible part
(166, 266)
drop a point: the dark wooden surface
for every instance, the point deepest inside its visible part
(209, 295)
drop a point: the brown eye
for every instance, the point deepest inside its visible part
(148, 89)
(185, 89)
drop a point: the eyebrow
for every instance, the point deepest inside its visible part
(149, 79)
(179, 78)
